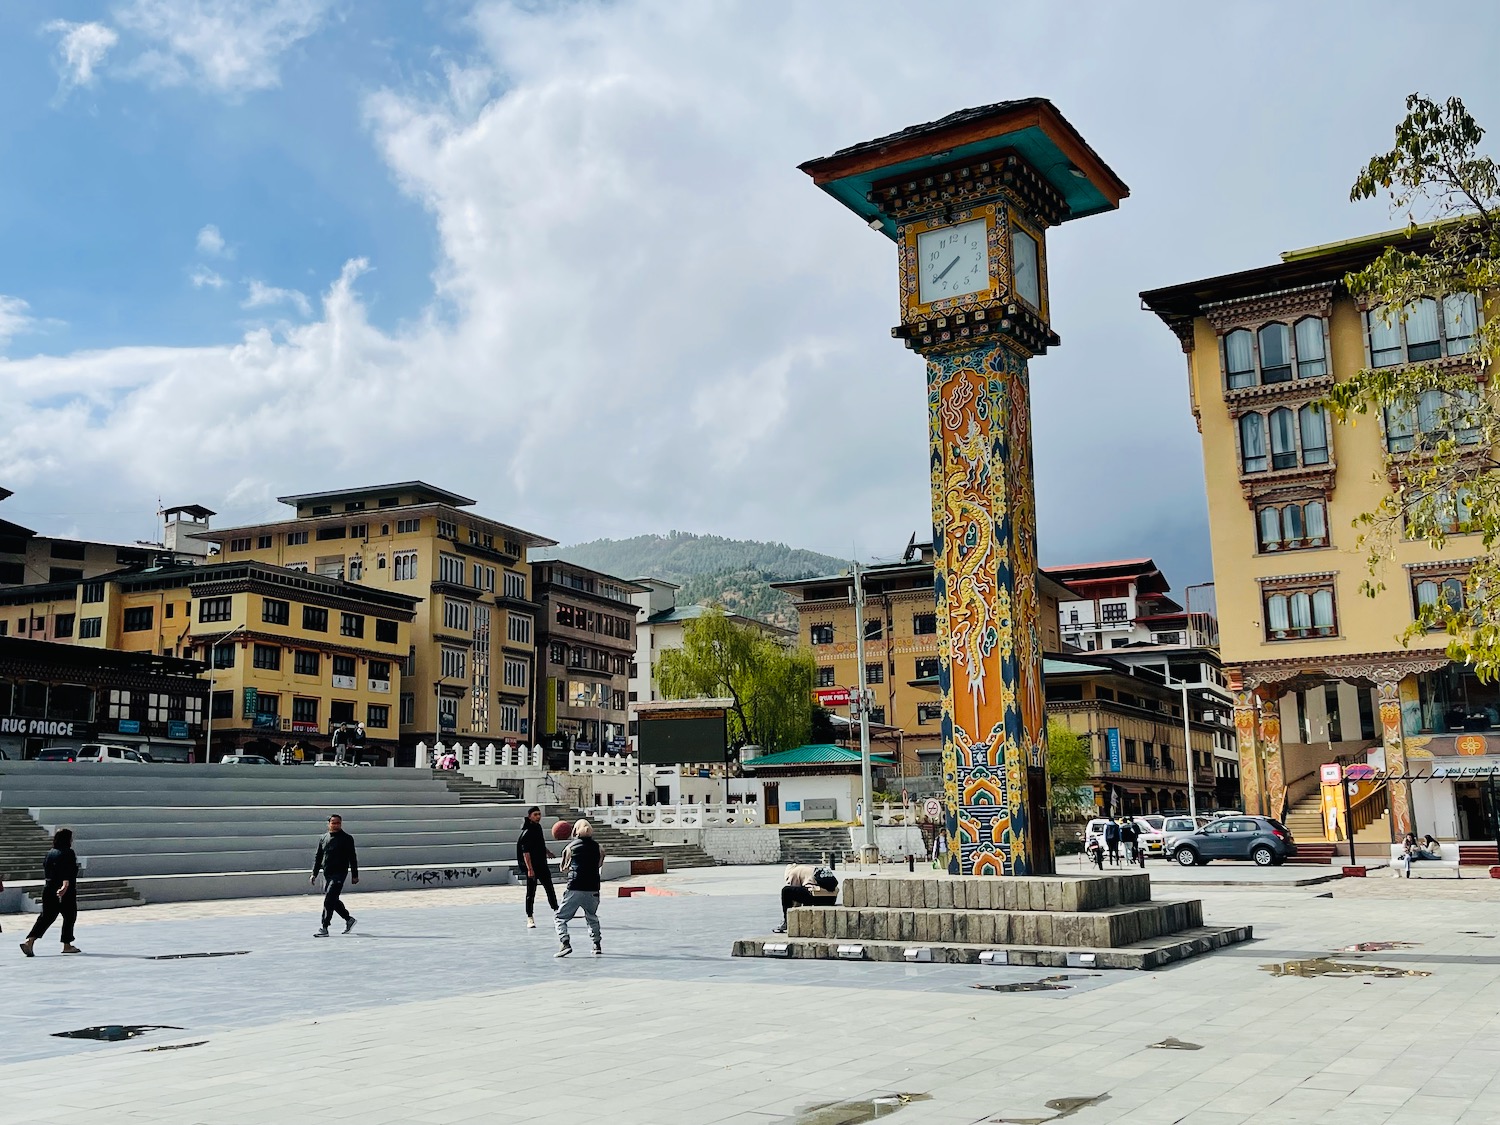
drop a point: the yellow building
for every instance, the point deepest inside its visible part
(1319, 669)
(471, 660)
(293, 655)
(901, 649)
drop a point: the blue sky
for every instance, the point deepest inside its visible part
(109, 183)
(559, 256)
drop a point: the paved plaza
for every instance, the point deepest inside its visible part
(441, 1007)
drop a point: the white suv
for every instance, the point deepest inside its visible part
(99, 752)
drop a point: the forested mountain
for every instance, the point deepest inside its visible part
(735, 573)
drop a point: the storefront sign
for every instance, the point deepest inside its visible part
(266, 722)
(129, 726)
(252, 702)
(176, 729)
(42, 728)
(1112, 741)
(792, 806)
(304, 728)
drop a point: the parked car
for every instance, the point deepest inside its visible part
(1258, 838)
(58, 754)
(1176, 827)
(102, 752)
(175, 755)
(245, 760)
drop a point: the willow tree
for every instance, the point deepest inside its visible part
(769, 685)
(1441, 411)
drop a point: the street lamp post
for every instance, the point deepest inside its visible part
(208, 738)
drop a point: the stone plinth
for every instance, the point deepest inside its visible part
(1109, 920)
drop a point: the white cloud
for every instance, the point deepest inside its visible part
(646, 317)
(211, 242)
(263, 296)
(81, 49)
(202, 277)
(229, 46)
(14, 319)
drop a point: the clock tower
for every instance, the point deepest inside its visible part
(968, 201)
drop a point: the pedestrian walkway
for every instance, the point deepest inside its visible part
(442, 1009)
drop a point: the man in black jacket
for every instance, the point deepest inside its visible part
(337, 860)
(532, 855)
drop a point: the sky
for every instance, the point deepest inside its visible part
(558, 256)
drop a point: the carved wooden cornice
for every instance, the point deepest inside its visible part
(1448, 568)
(1286, 304)
(1294, 391)
(1313, 482)
(1280, 581)
(1373, 668)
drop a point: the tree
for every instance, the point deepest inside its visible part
(1444, 483)
(770, 685)
(1070, 768)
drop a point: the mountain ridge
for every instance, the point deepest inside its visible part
(710, 569)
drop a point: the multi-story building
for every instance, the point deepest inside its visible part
(57, 694)
(1134, 728)
(901, 648)
(586, 639)
(29, 559)
(1115, 604)
(476, 622)
(1319, 668)
(291, 655)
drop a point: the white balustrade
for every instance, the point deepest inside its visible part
(424, 756)
(600, 763)
(733, 815)
(893, 813)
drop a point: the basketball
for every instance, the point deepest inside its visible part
(562, 830)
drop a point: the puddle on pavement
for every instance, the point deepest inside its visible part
(1325, 967)
(1064, 1107)
(856, 1112)
(188, 956)
(174, 1046)
(1172, 1043)
(114, 1032)
(1376, 946)
(1046, 984)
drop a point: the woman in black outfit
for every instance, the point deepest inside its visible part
(60, 895)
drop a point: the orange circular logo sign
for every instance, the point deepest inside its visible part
(1470, 745)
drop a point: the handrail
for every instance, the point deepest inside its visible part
(1368, 809)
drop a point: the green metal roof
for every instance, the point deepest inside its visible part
(815, 754)
(1071, 668)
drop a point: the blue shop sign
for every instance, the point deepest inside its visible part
(1112, 740)
(793, 806)
(176, 728)
(130, 726)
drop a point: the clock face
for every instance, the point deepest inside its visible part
(1027, 277)
(953, 261)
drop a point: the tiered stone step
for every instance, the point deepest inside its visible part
(1104, 921)
(616, 841)
(93, 894)
(814, 845)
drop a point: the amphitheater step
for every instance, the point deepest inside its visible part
(616, 841)
(93, 894)
(814, 845)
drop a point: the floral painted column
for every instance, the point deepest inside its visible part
(1391, 738)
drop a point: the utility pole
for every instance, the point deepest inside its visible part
(871, 849)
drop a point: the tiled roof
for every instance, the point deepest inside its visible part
(814, 754)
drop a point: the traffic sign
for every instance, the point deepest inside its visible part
(933, 808)
(832, 696)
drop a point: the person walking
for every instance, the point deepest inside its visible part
(1112, 842)
(533, 856)
(59, 893)
(1129, 834)
(337, 860)
(582, 859)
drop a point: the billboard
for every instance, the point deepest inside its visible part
(681, 737)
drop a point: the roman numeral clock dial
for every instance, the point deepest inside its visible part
(953, 261)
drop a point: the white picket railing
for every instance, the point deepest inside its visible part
(733, 815)
(894, 813)
(600, 763)
(515, 757)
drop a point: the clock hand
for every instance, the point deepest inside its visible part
(946, 268)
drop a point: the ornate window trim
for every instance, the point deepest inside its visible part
(1288, 588)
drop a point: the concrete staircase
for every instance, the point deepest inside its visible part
(212, 831)
(814, 845)
(471, 792)
(1088, 921)
(93, 894)
(618, 842)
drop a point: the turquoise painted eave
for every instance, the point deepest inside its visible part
(1082, 197)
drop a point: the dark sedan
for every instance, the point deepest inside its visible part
(1258, 838)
